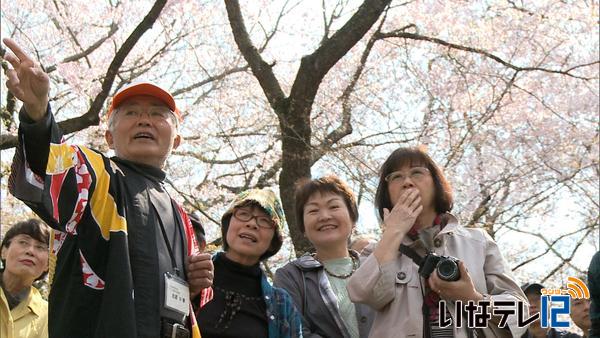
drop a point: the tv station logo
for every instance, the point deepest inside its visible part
(553, 302)
(552, 299)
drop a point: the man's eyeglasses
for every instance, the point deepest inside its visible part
(245, 215)
(156, 114)
(415, 174)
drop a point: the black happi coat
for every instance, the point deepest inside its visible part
(104, 248)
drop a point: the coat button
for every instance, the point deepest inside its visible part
(437, 242)
(401, 275)
(363, 319)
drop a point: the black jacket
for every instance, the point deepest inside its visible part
(104, 252)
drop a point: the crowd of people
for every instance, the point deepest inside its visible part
(127, 261)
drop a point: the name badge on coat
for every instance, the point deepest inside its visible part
(177, 294)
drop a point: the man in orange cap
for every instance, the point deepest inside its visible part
(127, 261)
(142, 124)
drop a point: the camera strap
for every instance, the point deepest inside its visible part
(412, 254)
(441, 221)
(418, 259)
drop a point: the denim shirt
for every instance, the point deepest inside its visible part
(284, 320)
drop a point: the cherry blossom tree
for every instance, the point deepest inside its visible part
(503, 93)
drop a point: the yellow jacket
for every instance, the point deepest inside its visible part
(29, 319)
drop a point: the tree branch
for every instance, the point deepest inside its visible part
(91, 117)
(204, 159)
(210, 79)
(268, 174)
(261, 70)
(113, 29)
(419, 37)
(345, 127)
(566, 261)
(315, 66)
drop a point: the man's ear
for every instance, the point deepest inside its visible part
(177, 141)
(3, 253)
(109, 139)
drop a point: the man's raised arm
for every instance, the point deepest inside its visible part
(27, 81)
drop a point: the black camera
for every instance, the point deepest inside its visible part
(445, 266)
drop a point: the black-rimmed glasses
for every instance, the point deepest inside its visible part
(245, 215)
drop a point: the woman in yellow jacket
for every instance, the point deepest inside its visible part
(23, 311)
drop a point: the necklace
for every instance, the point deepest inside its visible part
(233, 304)
(346, 275)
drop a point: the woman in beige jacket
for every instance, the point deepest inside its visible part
(414, 199)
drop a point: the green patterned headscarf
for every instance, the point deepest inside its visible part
(269, 202)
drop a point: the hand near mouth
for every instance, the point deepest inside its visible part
(404, 214)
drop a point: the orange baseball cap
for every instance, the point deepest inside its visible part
(144, 88)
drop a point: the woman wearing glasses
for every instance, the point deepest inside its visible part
(414, 201)
(245, 304)
(326, 213)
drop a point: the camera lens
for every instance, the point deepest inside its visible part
(447, 270)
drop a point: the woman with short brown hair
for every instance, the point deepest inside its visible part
(414, 201)
(326, 213)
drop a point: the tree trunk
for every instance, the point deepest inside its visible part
(294, 110)
(296, 163)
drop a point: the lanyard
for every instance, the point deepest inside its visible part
(165, 237)
(177, 222)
